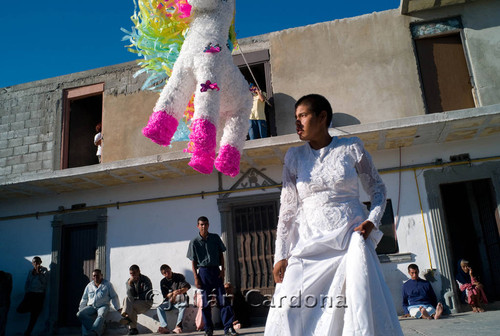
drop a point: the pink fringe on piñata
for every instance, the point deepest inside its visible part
(203, 138)
(160, 128)
(228, 161)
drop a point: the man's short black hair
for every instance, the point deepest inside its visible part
(165, 267)
(413, 267)
(134, 267)
(37, 259)
(97, 271)
(316, 103)
(202, 219)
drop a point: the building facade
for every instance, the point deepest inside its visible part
(419, 85)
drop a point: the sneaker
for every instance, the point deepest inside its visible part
(230, 332)
(177, 330)
(133, 331)
(162, 330)
(125, 320)
(209, 332)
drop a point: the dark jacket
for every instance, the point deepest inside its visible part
(142, 290)
(5, 288)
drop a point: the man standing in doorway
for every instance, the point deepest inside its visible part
(139, 298)
(206, 254)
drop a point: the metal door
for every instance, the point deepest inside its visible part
(79, 244)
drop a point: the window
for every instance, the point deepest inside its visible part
(388, 244)
(258, 62)
(444, 74)
(82, 112)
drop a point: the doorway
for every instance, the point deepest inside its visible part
(78, 247)
(255, 235)
(444, 73)
(82, 113)
(78, 260)
(259, 74)
(472, 222)
(249, 232)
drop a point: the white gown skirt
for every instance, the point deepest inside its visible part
(334, 293)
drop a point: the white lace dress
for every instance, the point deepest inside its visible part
(333, 284)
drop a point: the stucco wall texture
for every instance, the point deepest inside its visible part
(358, 64)
(366, 66)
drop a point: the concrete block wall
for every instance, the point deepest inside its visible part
(31, 117)
(27, 128)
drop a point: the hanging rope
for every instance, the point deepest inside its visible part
(251, 73)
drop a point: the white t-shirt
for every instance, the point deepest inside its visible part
(98, 137)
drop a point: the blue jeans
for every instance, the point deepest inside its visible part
(90, 323)
(257, 129)
(167, 305)
(212, 286)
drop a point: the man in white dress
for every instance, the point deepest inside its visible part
(327, 272)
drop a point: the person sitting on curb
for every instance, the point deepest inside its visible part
(94, 305)
(419, 299)
(139, 298)
(173, 289)
(472, 290)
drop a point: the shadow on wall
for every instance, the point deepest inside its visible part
(285, 120)
(284, 113)
(340, 119)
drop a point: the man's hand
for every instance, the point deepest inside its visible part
(365, 228)
(173, 296)
(197, 281)
(279, 270)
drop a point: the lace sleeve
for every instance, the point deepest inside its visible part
(371, 181)
(288, 209)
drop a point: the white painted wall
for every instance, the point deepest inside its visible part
(155, 233)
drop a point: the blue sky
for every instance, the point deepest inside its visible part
(43, 39)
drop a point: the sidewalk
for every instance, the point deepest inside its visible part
(462, 324)
(469, 323)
